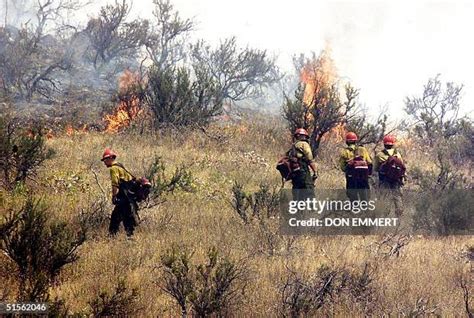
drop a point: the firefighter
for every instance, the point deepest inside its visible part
(125, 209)
(303, 166)
(387, 178)
(390, 167)
(356, 163)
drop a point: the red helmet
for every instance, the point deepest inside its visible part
(145, 182)
(108, 153)
(351, 137)
(301, 131)
(389, 140)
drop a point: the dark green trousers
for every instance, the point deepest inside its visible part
(123, 212)
(303, 186)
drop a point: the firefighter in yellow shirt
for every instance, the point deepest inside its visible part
(356, 163)
(303, 164)
(388, 178)
(390, 167)
(125, 207)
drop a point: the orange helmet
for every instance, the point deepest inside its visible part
(389, 140)
(108, 153)
(351, 137)
(301, 131)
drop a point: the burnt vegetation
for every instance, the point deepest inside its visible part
(49, 59)
(319, 106)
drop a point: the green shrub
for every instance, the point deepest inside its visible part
(39, 247)
(210, 288)
(22, 150)
(122, 302)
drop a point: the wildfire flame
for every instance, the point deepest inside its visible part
(70, 130)
(128, 108)
(318, 74)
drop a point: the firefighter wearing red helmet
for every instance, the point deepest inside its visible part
(390, 167)
(382, 157)
(356, 163)
(304, 167)
(125, 209)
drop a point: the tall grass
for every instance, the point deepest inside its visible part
(421, 279)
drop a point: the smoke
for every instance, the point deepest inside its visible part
(390, 49)
(18, 12)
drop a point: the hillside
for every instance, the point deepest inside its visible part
(423, 278)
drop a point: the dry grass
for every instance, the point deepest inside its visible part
(247, 152)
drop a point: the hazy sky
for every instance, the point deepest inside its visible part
(388, 49)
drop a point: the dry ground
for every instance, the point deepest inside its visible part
(424, 273)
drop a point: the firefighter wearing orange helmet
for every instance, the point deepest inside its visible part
(304, 167)
(356, 163)
(125, 209)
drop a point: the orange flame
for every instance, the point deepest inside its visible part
(318, 74)
(69, 130)
(127, 109)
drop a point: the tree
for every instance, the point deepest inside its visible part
(322, 113)
(435, 120)
(174, 98)
(165, 43)
(240, 73)
(318, 106)
(112, 37)
(31, 57)
(436, 113)
(367, 131)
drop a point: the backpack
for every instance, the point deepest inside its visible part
(288, 164)
(393, 169)
(136, 190)
(284, 167)
(358, 169)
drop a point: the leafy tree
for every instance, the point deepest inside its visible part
(322, 113)
(318, 106)
(174, 98)
(436, 121)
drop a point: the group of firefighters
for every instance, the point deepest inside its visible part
(354, 161)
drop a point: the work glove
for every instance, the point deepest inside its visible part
(315, 176)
